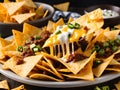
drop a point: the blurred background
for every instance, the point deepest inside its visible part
(82, 3)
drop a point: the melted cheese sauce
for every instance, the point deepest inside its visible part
(64, 39)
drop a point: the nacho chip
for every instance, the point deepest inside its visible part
(4, 42)
(86, 73)
(4, 85)
(117, 85)
(19, 37)
(93, 20)
(25, 68)
(50, 26)
(21, 87)
(73, 67)
(31, 30)
(53, 68)
(117, 26)
(46, 69)
(62, 6)
(23, 17)
(44, 77)
(39, 12)
(29, 3)
(12, 7)
(100, 69)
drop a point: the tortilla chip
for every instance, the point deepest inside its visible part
(39, 12)
(31, 30)
(114, 62)
(10, 47)
(100, 69)
(29, 3)
(46, 69)
(21, 87)
(117, 26)
(70, 20)
(92, 20)
(25, 68)
(23, 17)
(112, 35)
(86, 73)
(117, 85)
(116, 69)
(73, 67)
(4, 85)
(12, 7)
(60, 22)
(19, 37)
(4, 42)
(64, 70)
(53, 68)
(44, 77)
(50, 26)
(62, 6)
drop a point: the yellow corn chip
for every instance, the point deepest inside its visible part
(4, 85)
(23, 17)
(62, 6)
(19, 37)
(25, 68)
(31, 30)
(44, 77)
(12, 7)
(21, 87)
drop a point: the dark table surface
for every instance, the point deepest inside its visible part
(14, 84)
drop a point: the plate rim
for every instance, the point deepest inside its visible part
(54, 84)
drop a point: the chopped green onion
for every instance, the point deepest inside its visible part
(27, 41)
(36, 49)
(58, 32)
(97, 47)
(20, 48)
(97, 62)
(97, 88)
(37, 37)
(105, 88)
(105, 44)
(70, 25)
(114, 48)
(117, 41)
(111, 42)
(77, 26)
(101, 51)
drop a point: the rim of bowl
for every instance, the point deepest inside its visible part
(46, 6)
(104, 6)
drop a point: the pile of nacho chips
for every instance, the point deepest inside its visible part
(21, 11)
(45, 62)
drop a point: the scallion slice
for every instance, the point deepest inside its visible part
(20, 48)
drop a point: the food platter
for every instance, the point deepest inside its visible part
(51, 70)
(52, 84)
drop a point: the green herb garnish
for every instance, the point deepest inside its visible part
(20, 48)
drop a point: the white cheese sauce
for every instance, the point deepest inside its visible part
(109, 13)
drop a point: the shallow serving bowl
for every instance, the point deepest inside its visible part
(107, 21)
(6, 28)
